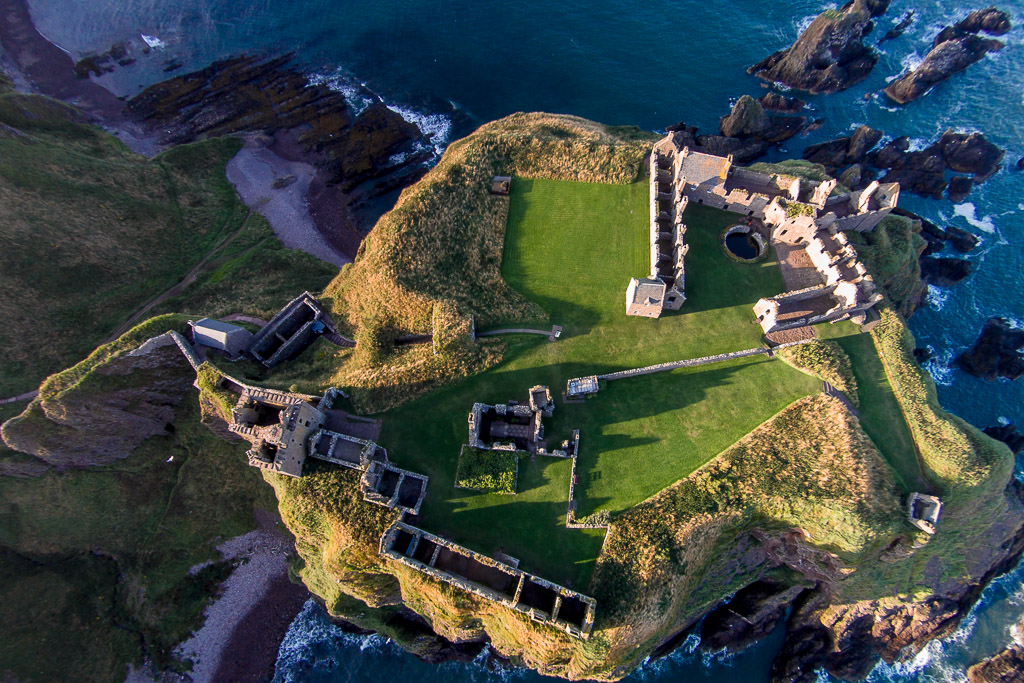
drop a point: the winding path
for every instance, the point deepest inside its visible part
(189, 278)
(27, 396)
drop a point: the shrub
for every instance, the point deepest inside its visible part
(488, 471)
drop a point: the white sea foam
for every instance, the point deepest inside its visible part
(153, 42)
(804, 23)
(968, 212)
(436, 127)
(911, 61)
(937, 297)
(354, 92)
(940, 370)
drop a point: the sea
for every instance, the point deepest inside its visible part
(450, 65)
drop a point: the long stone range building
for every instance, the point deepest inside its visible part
(502, 582)
(799, 213)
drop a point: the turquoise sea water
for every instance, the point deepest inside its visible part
(454, 64)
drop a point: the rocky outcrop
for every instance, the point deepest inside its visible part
(833, 154)
(773, 101)
(937, 238)
(923, 172)
(750, 615)
(898, 30)
(246, 94)
(1009, 435)
(1006, 666)
(847, 639)
(123, 402)
(954, 49)
(747, 132)
(830, 55)
(996, 353)
(747, 119)
(944, 272)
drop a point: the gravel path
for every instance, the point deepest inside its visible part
(253, 172)
(264, 554)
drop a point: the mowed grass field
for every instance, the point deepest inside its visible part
(572, 247)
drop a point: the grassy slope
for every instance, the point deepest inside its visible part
(96, 560)
(565, 250)
(91, 231)
(880, 412)
(675, 555)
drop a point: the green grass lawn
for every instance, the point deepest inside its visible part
(880, 413)
(572, 247)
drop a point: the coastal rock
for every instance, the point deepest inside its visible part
(1020, 164)
(923, 172)
(747, 119)
(853, 177)
(991, 20)
(996, 353)
(847, 639)
(959, 187)
(830, 54)
(970, 153)
(845, 150)
(773, 101)
(954, 49)
(944, 272)
(247, 94)
(1005, 667)
(751, 615)
(923, 354)
(898, 30)
(1009, 435)
(960, 239)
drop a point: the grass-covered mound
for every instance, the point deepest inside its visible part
(90, 231)
(443, 240)
(827, 360)
(890, 254)
(487, 471)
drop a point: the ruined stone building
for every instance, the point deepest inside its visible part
(289, 332)
(664, 288)
(797, 212)
(286, 428)
(501, 582)
(512, 426)
(924, 511)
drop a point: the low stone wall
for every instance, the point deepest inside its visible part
(674, 365)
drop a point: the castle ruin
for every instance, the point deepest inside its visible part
(512, 426)
(285, 428)
(541, 600)
(805, 215)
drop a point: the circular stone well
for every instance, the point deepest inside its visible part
(743, 243)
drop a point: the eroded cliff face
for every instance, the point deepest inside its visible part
(123, 402)
(847, 637)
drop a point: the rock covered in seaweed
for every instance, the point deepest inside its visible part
(830, 55)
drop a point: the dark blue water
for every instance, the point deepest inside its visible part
(450, 65)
